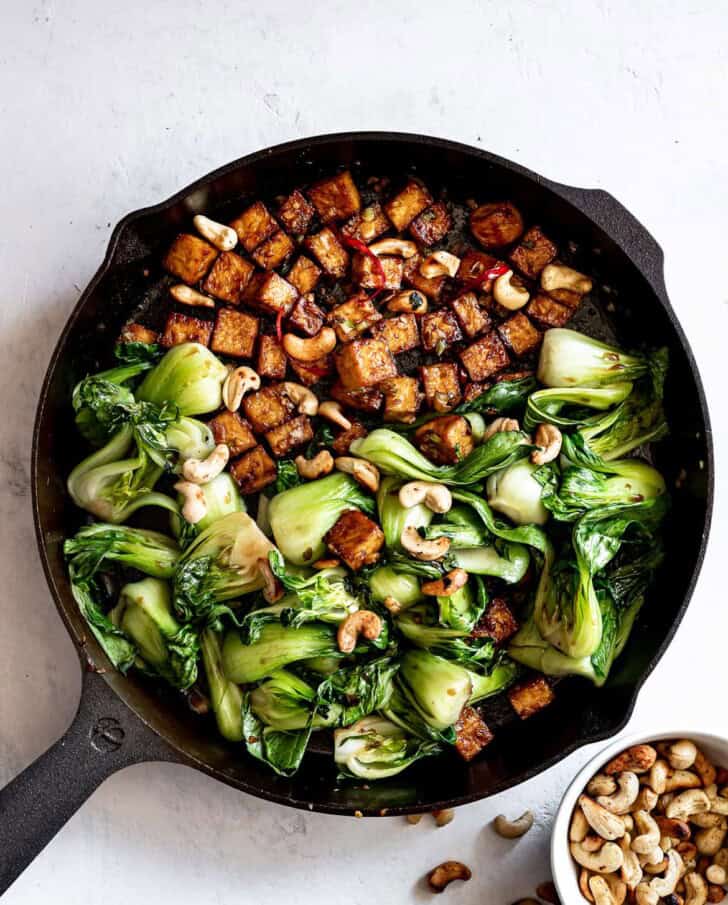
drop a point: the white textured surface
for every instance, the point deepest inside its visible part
(109, 107)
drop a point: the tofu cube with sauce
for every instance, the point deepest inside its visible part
(365, 273)
(485, 357)
(181, 328)
(441, 385)
(473, 319)
(471, 734)
(519, 334)
(432, 225)
(235, 333)
(229, 277)
(528, 697)
(272, 361)
(368, 225)
(304, 274)
(189, 258)
(533, 253)
(329, 252)
(402, 398)
(267, 408)
(335, 198)
(289, 436)
(254, 225)
(445, 440)
(439, 329)
(547, 312)
(400, 333)
(364, 363)
(355, 539)
(306, 316)
(273, 251)
(296, 213)
(353, 317)
(253, 471)
(365, 399)
(405, 206)
(271, 293)
(234, 431)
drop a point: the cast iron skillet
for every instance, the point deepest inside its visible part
(122, 721)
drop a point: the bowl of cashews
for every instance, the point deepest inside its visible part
(646, 822)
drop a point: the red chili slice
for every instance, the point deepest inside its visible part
(279, 326)
(364, 249)
(497, 270)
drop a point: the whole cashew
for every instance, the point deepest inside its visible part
(646, 800)
(705, 770)
(674, 829)
(393, 605)
(584, 877)
(646, 896)
(408, 302)
(608, 859)
(363, 472)
(718, 805)
(446, 586)
(649, 837)
(602, 821)
(621, 801)
(696, 889)
(579, 826)
(684, 805)
(445, 873)
(716, 874)
(331, 411)
(706, 820)
(637, 759)
(202, 471)
(310, 469)
(305, 400)
(444, 817)
(721, 859)
(559, 276)
(426, 550)
(509, 294)
(311, 348)
(438, 264)
(682, 779)
(272, 587)
(238, 382)
(631, 870)
(601, 785)
(223, 237)
(186, 295)
(548, 439)
(500, 426)
(363, 622)
(657, 780)
(403, 248)
(606, 892)
(682, 754)
(436, 497)
(194, 508)
(710, 841)
(592, 843)
(654, 862)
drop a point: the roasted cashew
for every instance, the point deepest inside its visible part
(584, 877)
(579, 826)
(649, 837)
(305, 400)
(513, 829)
(631, 870)
(445, 873)
(202, 471)
(721, 859)
(646, 896)
(426, 550)
(621, 801)
(696, 889)
(363, 622)
(674, 829)
(331, 411)
(718, 805)
(409, 301)
(310, 469)
(682, 779)
(703, 767)
(500, 426)
(601, 785)
(508, 293)
(628, 822)
(592, 843)
(194, 508)
(646, 800)
(444, 817)
(363, 472)
(682, 754)
(654, 861)
(602, 821)
(223, 237)
(186, 295)
(414, 819)
(637, 759)
(436, 497)
(311, 348)
(710, 841)
(402, 248)
(716, 874)
(706, 820)
(608, 859)
(272, 588)
(238, 382)
(393, 605)
(446, 586)
(606, 893)
(548, 439)
(559, 276)
(438, 264)
(684, 805)
(657, 780)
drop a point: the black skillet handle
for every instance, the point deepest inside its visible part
(104, 737)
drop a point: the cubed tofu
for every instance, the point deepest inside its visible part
(533, 252)
(189, 258)
(366, 399)
(304, 274)
(368, 225)
(365, 273)
(274, 251)
(474, 265)
(445, 440)
(180, 328)
(254, 225)
(296, 213)
(519, 334)
(329, 252)
(289, 436)
(429, 286)
(272, 361)
(353, 317)
(402, 399)
(235, 333)
(441, 385)
(528, 697)
(496, 224)
(310, 373)
(471, 734)
(306, 316)
(404, 207)
(234, 431)
(355, 539)
(228, 278)
(344, 440)
(485, 357)
(364, 363)
(498, 622)
(432, 225)
(400, 333)
(547, 312)
(135, 333)
(472, 318)
(335, 198)
(473, 390)
(439, 330)
(271, 293)
(253, 471)
(566, 297)
(268, 408)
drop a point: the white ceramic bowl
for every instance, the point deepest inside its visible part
(563, 868)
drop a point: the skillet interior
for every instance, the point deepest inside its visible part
(625, 303)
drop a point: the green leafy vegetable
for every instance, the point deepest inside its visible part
(572, 406)
(118, 648)
(388, 581)
(506, 561)
(276, 646)
(394, 517)
(225, 696)
(375, 748)
(222, 498)
(516, 492)
(286, 702)
(571, 359)
(504, 396)
(359, 690)
(282, 750)
(435, 688)
(485, 684)
(149, 551)
(189, 376)
(138, 353)
(464, 608)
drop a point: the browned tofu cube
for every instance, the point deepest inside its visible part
(366, 399)
(404, 207)
(547, 312)
(268, 408)
(485, 357)
(402, 398)
(365, 273)
(342, 443)
(471, 734)
(271, 293)
(180, 328)
(355, 539)
(367, 225)
(335, 198)
(473, 390)
(498, 622)
(229, 277)
(445, 440)
(274, 251)
(234, 431)
(519, 334)
(429, 286)
(533, 252)
(135, 333)
(566, 297)
(189, 258)
(353, 317)
(473, 270)
(289, 436)
(296, 213)
(472, 318)
(272, 361)
(400, 333)
(254, 470)
(329, 252)
(364, 363)
(432, 225)
(235, 333)
(527, 698)
(254, 225)
(306, 316)
(442, 387)
(311, 372)
(496, 224)
(439, 330)
(304, 274)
